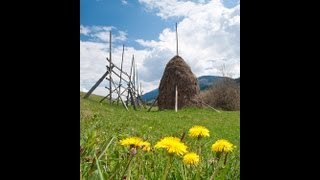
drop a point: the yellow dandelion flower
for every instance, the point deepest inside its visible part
(222, 145)
(145, 146)
(191, 159)
(172, 145)
(131, 141)
(198, 131)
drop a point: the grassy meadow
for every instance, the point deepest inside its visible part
(103, 126)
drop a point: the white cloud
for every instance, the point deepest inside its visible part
(89, 30)
(84, 90)
(122, 36)
(84, 30)
(105, 36)
(101, 33)
(207, 31)
(124, 2)
(209, 36)
(171, 8)
(93, 64)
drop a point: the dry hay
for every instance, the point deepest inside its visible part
(178, 72)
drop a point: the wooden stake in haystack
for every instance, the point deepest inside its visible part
(178, 75)
(178, 86)
(176, 100)
(177, 39)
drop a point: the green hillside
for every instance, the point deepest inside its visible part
(102, 126)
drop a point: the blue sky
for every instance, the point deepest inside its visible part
(133, 18)
(209, 31)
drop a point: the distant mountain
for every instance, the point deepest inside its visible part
(237, 80)
(204, 82)
(150, 96)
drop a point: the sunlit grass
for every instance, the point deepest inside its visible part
(102, 126)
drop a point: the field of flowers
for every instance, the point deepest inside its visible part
(190, 144)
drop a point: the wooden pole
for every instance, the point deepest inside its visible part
(110, 87)
(177, 37)
(106, 95)
(115, 88)
(140, 88)
(133, 103)
(120, 73)
(211, 107)
(176, 100)
(137, 87)
(130, 82)
(134, 74)
(137, 83)
(96, 85)
(139, 97)
(115, 66)
(153, 103)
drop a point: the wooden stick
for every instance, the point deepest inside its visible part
(113, 65)
(120, 73)
(119, 95)
(110, 87)
(210, 107)
(137, 86)
(119, 76)
(137, 83)
(132, 100)
(143, 104)
(176, 100)
(134, 75)
(153, 103)
(140, 88)
(177, 37)
(96, 85)
(130, 82)
(106, 96)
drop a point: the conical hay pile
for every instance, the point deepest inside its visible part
(178, 73)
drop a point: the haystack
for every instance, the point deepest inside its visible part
(178, 73)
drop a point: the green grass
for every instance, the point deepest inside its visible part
(102, 126)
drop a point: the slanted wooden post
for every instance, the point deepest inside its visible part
(139, 98)
(134, 75)
(137, 86)
(96, 85)
(140, 88)
(153, 103)
(110, 87)
(177, 37)
(115, 88)
(137, 78)
(120, 73)
(106, 96)
(176, 100)
(129, 83)
(133, 102)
